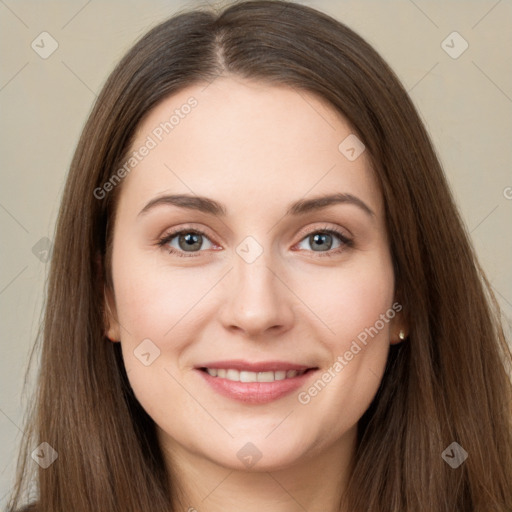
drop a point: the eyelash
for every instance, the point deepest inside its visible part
(345, 242)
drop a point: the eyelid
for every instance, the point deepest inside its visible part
(343, 232)
(187, 228)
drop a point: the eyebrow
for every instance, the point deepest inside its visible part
(212, 207)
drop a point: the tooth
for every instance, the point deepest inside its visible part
(233, 375)
(248, 376)
(266, 377)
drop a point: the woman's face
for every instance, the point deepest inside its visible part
(265, 277)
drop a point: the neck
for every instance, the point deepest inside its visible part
(315, 483)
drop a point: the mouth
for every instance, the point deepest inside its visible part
(247, 376)
(254, 383)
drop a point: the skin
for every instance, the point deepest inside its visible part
(254, 148)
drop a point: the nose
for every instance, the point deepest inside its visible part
(258, 300)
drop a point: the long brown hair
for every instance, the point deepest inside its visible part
(448, 382)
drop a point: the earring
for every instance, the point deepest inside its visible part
(401, 334)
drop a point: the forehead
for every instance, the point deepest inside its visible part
(237, 139)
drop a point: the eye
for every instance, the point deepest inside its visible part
(189, 242)
(184, 241)
(324, 239)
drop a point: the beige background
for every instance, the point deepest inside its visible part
(466, 104)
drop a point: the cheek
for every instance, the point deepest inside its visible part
(349, 300)
(155, 307)
(357, 307)
(153, 300)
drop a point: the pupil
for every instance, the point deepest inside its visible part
(319, 237)
(191, 239)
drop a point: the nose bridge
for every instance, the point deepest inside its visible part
(257, 299)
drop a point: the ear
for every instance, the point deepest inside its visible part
(398, 336)
(112, 328)
(398, 326)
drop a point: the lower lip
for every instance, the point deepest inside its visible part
(256, 392)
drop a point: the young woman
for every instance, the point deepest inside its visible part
(262, 296)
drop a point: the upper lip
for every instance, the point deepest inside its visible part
(262, 366)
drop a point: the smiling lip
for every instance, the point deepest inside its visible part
(264, 366)
(255, 392)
